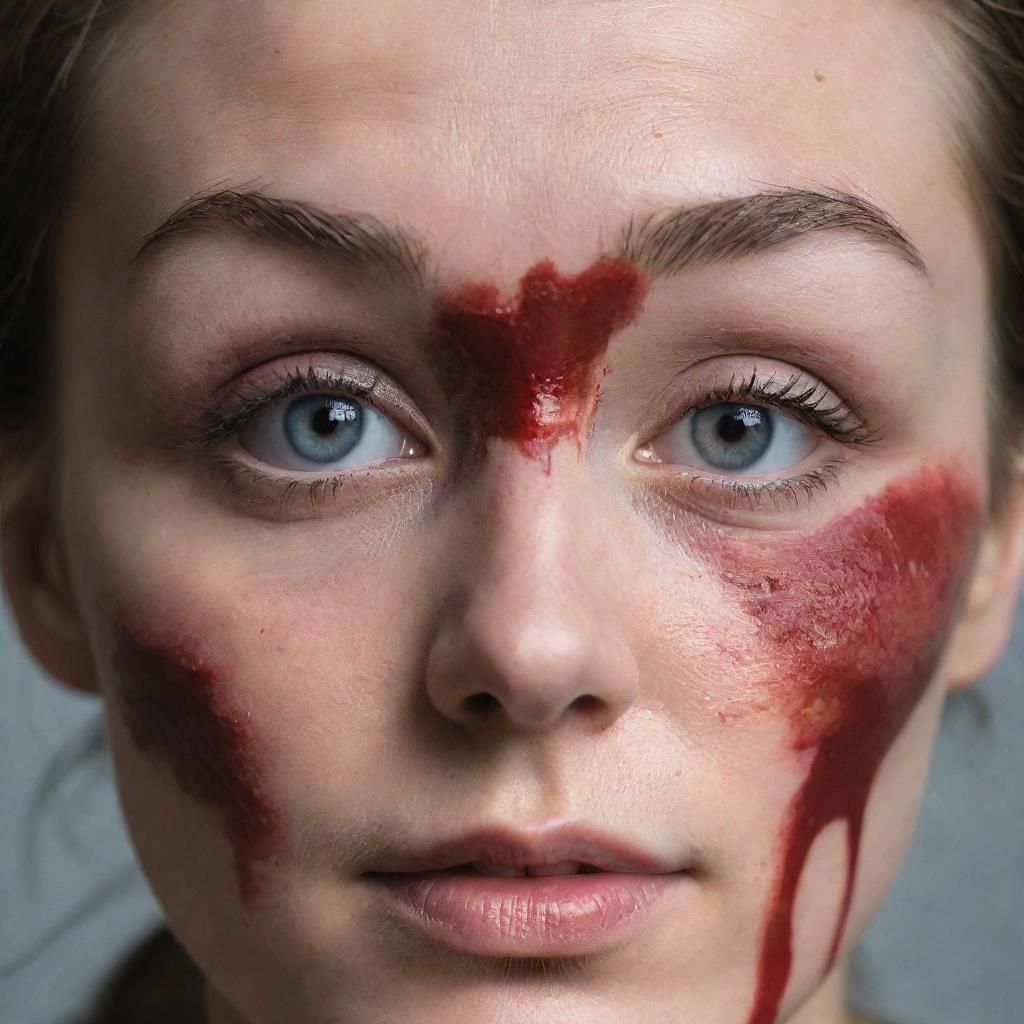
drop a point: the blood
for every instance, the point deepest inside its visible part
(175, 709)
(526, 369)
(853, 617)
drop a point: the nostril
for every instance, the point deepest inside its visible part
(587, 702)
(481, 703)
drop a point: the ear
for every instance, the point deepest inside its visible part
(990, 604)
(35, 571)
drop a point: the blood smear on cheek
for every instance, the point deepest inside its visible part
(526, 369)
(175, 709)
(854, 617)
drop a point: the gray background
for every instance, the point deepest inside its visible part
(947, 948)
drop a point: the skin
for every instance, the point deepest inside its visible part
(330, 654)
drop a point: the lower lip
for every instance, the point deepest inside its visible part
(528, 915)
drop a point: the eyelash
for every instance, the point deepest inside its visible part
(803, 399)
(292, 382)
(795, 395)
(798, 396)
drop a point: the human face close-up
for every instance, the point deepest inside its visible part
(498, 438)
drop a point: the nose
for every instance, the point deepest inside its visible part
(532, 633)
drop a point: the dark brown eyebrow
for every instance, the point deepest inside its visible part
(354, 240)
(667, 242)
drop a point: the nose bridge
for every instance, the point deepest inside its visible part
(532, 545)
(533, 633)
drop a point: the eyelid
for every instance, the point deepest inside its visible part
(758, 381)
(265, 386)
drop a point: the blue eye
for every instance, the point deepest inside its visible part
(314, 432)
(733, 437)
(322, 428)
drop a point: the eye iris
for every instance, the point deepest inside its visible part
(730, 436)
(323, 428)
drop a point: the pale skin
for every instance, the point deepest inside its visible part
(500, 135)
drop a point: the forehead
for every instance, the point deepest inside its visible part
(501, 132)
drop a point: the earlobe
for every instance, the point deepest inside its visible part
(36, 578)
(990, 604)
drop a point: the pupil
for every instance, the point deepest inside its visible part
(731, 428)
(324, 423)
(729, 436)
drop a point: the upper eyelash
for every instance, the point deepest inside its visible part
(221, 425)
(807, 401)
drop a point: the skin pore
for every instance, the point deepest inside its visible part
(535, 239)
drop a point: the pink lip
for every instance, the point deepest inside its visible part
(528, 915)
(547, 844)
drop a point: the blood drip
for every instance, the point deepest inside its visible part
(174, 709)
(854, 617)
(526, 369)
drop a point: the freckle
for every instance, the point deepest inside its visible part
(655, 132)
(819, 76)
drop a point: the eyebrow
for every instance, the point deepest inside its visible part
(665, 242)
(668, 242)
(355, 240)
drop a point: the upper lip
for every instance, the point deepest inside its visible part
(537, 847)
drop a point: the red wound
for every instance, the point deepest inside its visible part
(175, 710)
(853, 618)
(526, 369)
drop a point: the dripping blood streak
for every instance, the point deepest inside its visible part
(853, 617)
(525, 369)
(175, 709)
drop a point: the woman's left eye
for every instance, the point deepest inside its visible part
(734, 437)
(314, 433)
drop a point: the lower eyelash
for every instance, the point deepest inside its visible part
(318, 489)
(753, 495)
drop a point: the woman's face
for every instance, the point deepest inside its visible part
(541, 430)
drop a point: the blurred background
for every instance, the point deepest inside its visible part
(947, 948)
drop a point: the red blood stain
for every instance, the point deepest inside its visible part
(175, 709)
(854, 618)
(526, 369)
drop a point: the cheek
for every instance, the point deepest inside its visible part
(853, 617)
(852, 621)
(255, 698)
(178, 709)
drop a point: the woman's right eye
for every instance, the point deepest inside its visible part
(323, 433)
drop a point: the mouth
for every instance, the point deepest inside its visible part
(495, 870)
(549, 892)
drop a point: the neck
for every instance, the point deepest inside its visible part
(827, 1005)
(219, 1011)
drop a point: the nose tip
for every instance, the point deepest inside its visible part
(528, 676)
(532, 627)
